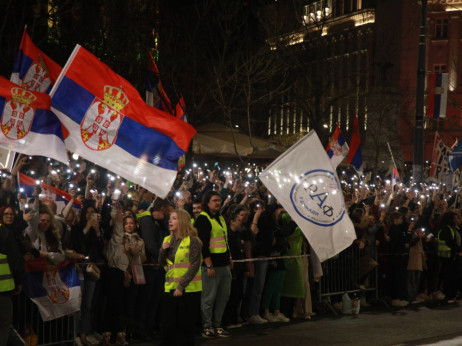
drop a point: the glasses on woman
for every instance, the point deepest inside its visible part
(8, 214)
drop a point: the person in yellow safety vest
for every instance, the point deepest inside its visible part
(181, 257)
(11, 278)
(449, 250)
(196, 209)
(216, 272)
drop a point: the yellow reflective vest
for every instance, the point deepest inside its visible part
(444, 251)
(176, 271)
(6, 279)
(218, 235)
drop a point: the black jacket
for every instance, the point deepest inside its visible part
(9, 247)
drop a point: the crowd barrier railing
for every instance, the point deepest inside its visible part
(353, 270)
(29, 324)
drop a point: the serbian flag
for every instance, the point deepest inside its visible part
(155, 93)
(54, 288)
(110, 124)
(394, 176)
(49, 192)
(33, 70)
(337, 149)
(438, 84)
(27, 124)
(355, 156)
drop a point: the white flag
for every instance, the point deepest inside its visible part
(305, 183)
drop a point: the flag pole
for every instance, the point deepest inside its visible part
(391, 153)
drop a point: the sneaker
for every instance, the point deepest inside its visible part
(399, 303)
(256, 319)
(280, 318)
(451, 301)
(209, 333)
(223, 333)
(438, 295)
(269, 318)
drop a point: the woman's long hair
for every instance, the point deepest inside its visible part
(185, 228)
(52, 235)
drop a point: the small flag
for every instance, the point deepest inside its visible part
(54, 288)
(49, 192)
(337, 149)
(355, 156)
(394, 176)
(33, 69)
(155, 93)
(27, 124)
(438, 84)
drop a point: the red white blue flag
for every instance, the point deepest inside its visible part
(337, 148)
(394, 176)
(437, 95)
(27, 124)
(111, 125)
(49, 192)
(54, 288)
(155, 93)
(355, 156)
(33, 69)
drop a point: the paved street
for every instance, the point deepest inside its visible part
(416, 325)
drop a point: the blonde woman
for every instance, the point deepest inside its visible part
(181, 256)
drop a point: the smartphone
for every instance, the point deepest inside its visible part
(116, 194)
(94, 216)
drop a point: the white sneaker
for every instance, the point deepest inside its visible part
(399, 303)
(280, 318)
(256, 319)
(438, 295)
(269, 318)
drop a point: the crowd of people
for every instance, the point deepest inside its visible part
(212, 252)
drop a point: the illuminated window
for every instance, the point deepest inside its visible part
(440, 68)
(441, 28)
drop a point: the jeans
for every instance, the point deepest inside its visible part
(88, 286)
(257, 288)
(215, 294)
(413, 283)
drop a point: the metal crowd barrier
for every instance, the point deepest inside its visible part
(349, 271)
(29, 324)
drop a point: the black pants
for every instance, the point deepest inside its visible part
(114, 319)
(178, 318)
(150, 299)
(449, 276)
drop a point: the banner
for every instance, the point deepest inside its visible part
(54, 288)
(110, 124)
(305, 183)
(439, 166)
